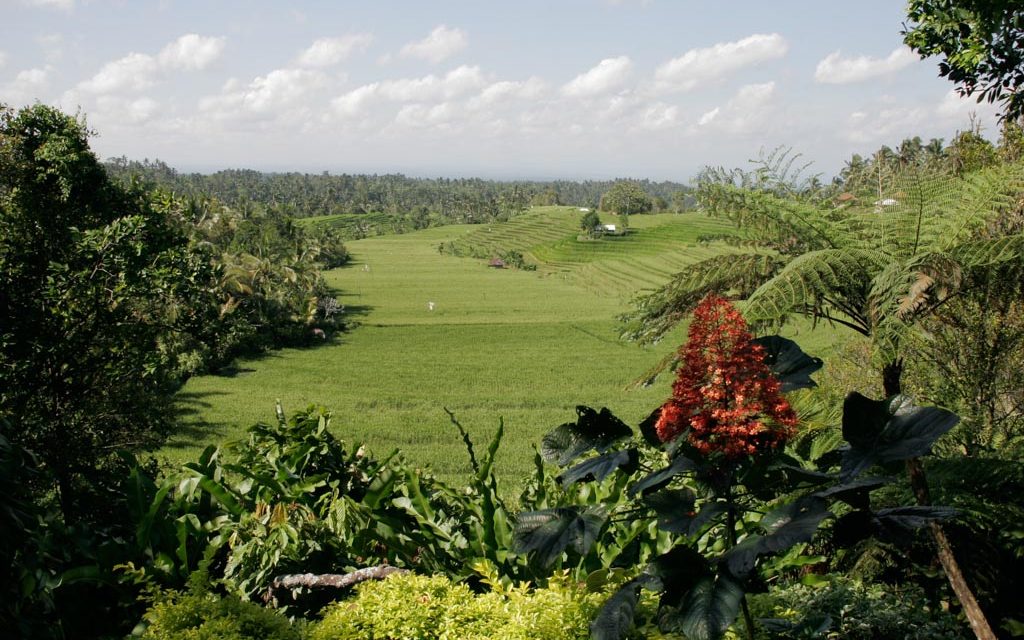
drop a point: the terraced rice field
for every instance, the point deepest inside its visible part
(524, 347)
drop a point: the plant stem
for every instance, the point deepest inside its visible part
(891, 381)
(748, 621)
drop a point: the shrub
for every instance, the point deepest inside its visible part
(422, 607)
(200, 615)
(860, 611)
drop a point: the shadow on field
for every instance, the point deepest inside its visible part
(190, 429)
(357, 310)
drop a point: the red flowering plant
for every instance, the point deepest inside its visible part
(725, 399)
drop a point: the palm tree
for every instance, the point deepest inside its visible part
(875, 272)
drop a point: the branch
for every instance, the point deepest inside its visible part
(334, 580)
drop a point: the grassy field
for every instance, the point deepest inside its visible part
(519, 346)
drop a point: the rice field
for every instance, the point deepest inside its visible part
(438, 332)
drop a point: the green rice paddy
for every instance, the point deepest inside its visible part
(522, 347)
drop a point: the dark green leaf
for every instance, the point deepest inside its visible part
(615, 619)
(708, 609)
(598, 468)
(679, 570)
(880, 432)
(855, 493)
(896, 523)
(659, 479)
(592, 431)
(784, 527)
(863, 420)
(548, 533)
(647, 430)
(674, 509)
(788, 362)
(853, 527)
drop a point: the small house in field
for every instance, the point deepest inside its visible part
(607, 228)
(584, 210)
(496, 263)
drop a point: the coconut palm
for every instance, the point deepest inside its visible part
(875, 270)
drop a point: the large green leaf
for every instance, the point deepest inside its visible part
(707, 609)
(615, 619)
(784, 527)
(674, 509)
(788, 362)
(855, 493)
(592, 431)
(888, 431)
(896, 523)
(678, 571)
(548, 533)
(659, 479)
(598, 468)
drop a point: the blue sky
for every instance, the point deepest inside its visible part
(526, 89)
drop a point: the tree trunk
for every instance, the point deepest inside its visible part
(891, 375)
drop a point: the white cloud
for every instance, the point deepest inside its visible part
(139, 71)
(658, 116)
(885, 125)
(697, 66)
(506, 90)
(117, 111)
(267, 95)
(134, 72)
(354, 102)
(745, 112)
(191, 52)
(835, 69)
(955, 107)
(456, 82)
(419, 116)
(26, 87)
(442, 43)
(327, 52)
(609, 74)
(66, 5)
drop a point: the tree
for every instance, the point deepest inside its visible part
(982, 45)
(99, 294)
(590, 221)
(626, 197)
(877, 273)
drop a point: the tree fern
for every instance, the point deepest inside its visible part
(874, 268)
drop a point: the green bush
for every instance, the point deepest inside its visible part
(199, 615)
(860, 611)
(422, 607)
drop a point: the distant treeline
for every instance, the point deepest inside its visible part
(419, 202)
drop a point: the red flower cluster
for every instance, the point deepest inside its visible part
(725, 398)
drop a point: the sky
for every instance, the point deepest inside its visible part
(525, 89)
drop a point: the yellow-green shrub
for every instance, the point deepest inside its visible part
(432, 607)
(198, 615)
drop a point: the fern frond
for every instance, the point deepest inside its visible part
(829, 283)
(982, 253)
(791, 226)
(656, 313)
(984, 196)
